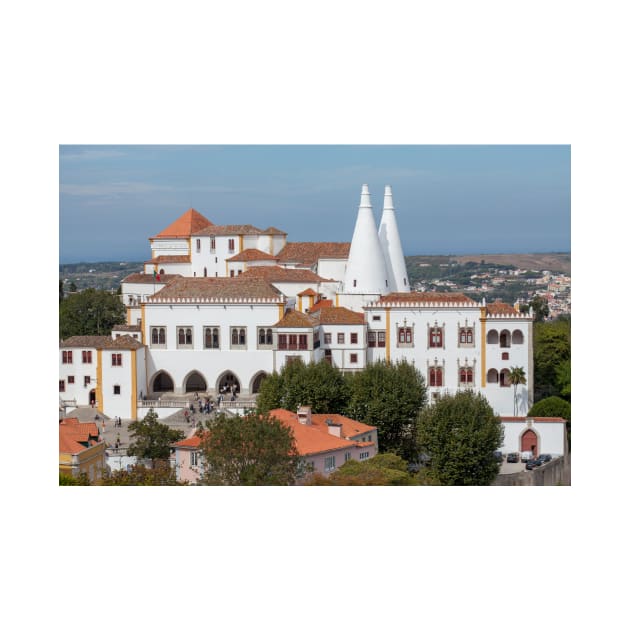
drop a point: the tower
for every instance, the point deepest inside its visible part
(365, 272)
(392, 249)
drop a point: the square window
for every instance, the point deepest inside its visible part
(70, 380)
(116, 389)
(354, 338)
(341, 338)
(86, 380)
(354, 358)
(327, 338)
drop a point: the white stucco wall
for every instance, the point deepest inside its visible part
(550, 436)
(79, 370)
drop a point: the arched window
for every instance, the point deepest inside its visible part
(435, 377)
(211, 337)
(161, 272)
(234, 336)
(493, 376)
(466, 376)
(154, 336)
(517, 337)
(504, 339)
(405, 335)
(184, 337)
(181, 340)
(158, 336)
(269, 339)
(436, 337)
(162, 337)
(492, 336)
(261, 336)
(241, 336)
(504, 378)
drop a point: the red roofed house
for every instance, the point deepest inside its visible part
(325, 442)
(80, 449)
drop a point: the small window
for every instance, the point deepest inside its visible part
(327, 338)
(376, 318)
(194, 458)
(158, 336)
(466, 376)
(364, 455)
(282, 342)
(341, 338)
(435, 377)
(86, 381)
(66, 356)
(213, 244)
(329, 463)
(184, 337)
(381, 339)
(436, 337)
(347, 457)
(265, 337)
(70, 380)
(62, 386)
(116, 360)
(371, 339)
(239, 338)
(116, 390)
(405, 336)
(231, 273)
(86, 356)
(231, 245)
(354, 358)
(354, 338)
(505, 356)
(198, 245)
(211, 337)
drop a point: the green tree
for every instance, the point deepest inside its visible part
(90, 312)
(460, 434)
(385, 469)
(151, 439)
(69, 480)
(319, 385)
(60, 291)
(552, 347)
(563, 379)
(162, 474)
(251, 450)
(517, 377)
(389, 397)
(540, 306)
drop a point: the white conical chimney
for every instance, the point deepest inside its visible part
(392, 249)
(365, 271)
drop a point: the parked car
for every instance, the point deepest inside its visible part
(526, 456)
(532, 463)
(513, 458)
(498, 455)
(545, 458)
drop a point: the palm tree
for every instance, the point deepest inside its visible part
(517, 377)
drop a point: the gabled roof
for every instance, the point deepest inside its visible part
(251, 254)
(307, 292)
(296, 319)
(147, 278)
(189, 223)
(168, 259)
(275, 273)
(127, 327)
(501, 308)
(273, 230)
(242, 287)
(338, 315)
(124, 342)
(228, 230)
(315, 438)
(309, 253)
(319, 305)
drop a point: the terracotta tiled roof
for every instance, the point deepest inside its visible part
(75, 436)
(338, 315)
(251, 254)
(189, 223)
(128, 327)
(191, 442)
(307, 292)
(309, 253)
(273, 230)
(319, 305)
(229, 230)
(147, 278)
(124, 342)
(217, 289)
(501, 308)
(536, 419)
(315, 438)
(296, 319)
(349, 428)
(158, 260)
(414, 297)
(274, 273)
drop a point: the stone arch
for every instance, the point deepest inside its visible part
(505, 339)
(162, 382)
(256, 381)
(227, 379)
(517, 336)
(492, 336)
(195, 382)
(504, 378)
(493, 376)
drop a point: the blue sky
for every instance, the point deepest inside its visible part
(448, 198)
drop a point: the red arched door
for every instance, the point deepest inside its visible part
(529, 442)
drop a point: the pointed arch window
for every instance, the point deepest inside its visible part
(184, 337)
(211, 337)
(436, 376)
(238, 337)
(465, 376)
(265, 337)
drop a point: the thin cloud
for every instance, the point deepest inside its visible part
(93, 154)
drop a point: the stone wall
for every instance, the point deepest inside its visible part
(556, 473)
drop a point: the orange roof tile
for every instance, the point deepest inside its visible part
(124, 342)
(242, 287)
(158, 260)
(189, 223)
(228, 230)
(273, 230)
(275, 273)
(193, 441)
(75, 436)
(338, 315)
(309, 253)
(315, 438)
(421, 298)
(147, 278)
(251, 254)
(319, 305)
(307, 292)
(501, 308)
(296, 319)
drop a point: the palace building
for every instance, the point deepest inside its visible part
(227, 305)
